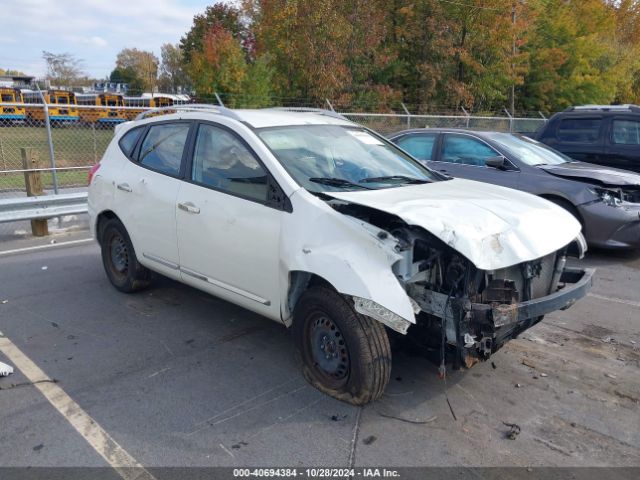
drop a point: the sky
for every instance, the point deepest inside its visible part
(94, 31)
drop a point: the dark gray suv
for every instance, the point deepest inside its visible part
(606, 135)
(605, 200)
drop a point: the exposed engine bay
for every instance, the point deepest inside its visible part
(460, 308)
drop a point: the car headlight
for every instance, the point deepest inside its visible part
(609, 197)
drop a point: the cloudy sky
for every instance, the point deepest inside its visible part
(92, 30)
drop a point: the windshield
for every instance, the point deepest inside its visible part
(529, 151)
(339, 158)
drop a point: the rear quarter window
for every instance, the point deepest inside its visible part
(129, 140)
(579, 130)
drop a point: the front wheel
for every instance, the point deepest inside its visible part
(343, 353)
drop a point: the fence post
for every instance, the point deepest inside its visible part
(95, 144)
(33, 184)
(4, 160)
(510, 120)
(329, 103)
(52, 157)
(467, 115)
(408, 114)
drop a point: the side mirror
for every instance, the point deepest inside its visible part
(496, 162)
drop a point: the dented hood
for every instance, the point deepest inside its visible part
(494, 227)
(594, 174)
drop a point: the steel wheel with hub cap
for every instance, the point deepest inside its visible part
(343, 353)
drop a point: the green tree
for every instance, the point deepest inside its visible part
(572, 58)
(129, 76)
(173, 77)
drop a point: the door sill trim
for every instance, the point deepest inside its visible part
(225, 286)
(161, 261)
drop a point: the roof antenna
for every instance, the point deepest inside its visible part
(218, 98)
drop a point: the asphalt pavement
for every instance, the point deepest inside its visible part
(176, 377)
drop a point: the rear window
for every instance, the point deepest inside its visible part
(579, 130)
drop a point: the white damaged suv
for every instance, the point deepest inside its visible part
(326, 227)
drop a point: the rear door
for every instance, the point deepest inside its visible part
(623, 143)
(146, 192)
(418, 145)
(463, 156)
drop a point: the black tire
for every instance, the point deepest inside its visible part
(357, 367)
(119, 259)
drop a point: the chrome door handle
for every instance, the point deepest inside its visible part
(188, 207)
(124, 187)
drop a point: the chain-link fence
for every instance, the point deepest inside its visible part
(62, 142)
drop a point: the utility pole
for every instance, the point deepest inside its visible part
(513, 61)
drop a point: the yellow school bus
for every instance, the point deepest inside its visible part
(101, 114)
(9, 113)
(140, 104)
(61, 104)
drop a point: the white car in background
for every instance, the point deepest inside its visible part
(324, 226)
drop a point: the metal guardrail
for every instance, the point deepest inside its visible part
(45, 206)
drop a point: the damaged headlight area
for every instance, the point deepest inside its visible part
(609, 196)
(477, 311)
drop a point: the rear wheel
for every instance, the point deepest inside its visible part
(343, 353)
(119, 259)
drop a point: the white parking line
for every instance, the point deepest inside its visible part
(45, 247)
(615, 300)
(116, 456)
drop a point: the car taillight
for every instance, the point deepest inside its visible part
(93, 171)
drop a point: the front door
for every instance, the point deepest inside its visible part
(464, 156)
(228, 237)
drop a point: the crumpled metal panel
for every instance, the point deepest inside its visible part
(494, 227)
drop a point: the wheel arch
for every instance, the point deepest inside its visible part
(564, 203)
(101, 219)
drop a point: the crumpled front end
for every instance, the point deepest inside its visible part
(458, 306)
(475, 312)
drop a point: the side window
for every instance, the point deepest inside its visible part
(129, 139)
(419, 146)
(626, 132)
(162, 147)
(466, 150)
(579, 130)
(222, 161)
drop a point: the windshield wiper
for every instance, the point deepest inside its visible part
(391, 178)
(337, 182)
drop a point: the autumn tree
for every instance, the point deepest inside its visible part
(143, 63)
(221, 14)
(63, 69)
(220, 66)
